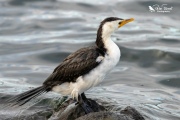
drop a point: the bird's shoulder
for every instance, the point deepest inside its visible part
(85, 53)
(82, 58)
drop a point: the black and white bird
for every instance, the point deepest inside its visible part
(83, 69)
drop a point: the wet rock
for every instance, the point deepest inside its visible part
(105, 115)
(69, 110)
(130, 111)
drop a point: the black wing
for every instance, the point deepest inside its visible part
(75, 65)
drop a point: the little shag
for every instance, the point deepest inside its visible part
(83, 69)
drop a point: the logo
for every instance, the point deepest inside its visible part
(164, 8)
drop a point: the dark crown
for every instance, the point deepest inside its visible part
(109, 19)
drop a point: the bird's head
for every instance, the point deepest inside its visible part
(111, 24)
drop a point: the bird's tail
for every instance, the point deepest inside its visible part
(23, 98)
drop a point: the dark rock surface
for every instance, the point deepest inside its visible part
(68, 109)
(71, 111)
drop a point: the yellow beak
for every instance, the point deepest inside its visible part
(125, 22)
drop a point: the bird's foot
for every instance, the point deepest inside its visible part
(86, 108)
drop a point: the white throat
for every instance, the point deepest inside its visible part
(109, 45)
(111, 48)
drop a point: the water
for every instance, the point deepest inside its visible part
(36, 35)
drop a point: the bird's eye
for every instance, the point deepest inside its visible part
(119, 23)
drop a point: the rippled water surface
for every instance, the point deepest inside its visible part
(36, 35)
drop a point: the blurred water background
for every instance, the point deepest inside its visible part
(36, 35)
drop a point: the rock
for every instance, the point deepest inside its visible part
(67, 109)
(70, 111)
(130, 111)
(105, 115)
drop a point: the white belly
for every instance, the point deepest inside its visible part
(94, 77)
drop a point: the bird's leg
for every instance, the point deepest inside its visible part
(93, 105)
(83, 101)
(84, 97)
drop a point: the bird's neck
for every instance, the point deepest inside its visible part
(103, 38)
